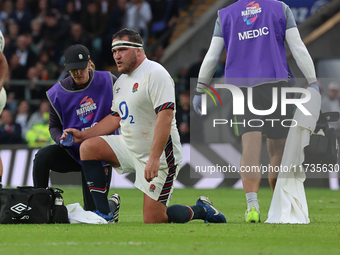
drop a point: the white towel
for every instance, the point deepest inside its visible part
(289, 203)
(76, 214)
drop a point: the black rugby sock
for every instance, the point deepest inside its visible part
(183, 214)
(96, 181)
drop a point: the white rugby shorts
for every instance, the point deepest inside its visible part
(160, 188)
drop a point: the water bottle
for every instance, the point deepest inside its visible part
(59, 201)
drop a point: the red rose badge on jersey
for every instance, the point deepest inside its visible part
(152, 188)
(135, 87)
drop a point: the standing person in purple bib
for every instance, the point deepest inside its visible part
(253, 34)
(79, 101)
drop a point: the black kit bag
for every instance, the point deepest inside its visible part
(26, 204)
(323, 148)
(59, 210)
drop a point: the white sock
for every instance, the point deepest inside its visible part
(252, 201)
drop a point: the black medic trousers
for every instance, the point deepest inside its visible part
(56, 158)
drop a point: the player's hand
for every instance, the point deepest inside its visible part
(151, 169)
(197, 104)
(77, 135)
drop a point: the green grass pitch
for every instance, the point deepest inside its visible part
(131, 236)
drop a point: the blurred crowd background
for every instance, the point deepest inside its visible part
(37, 32)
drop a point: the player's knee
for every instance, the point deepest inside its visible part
(155, 218)
(87, 149)
(148, 220)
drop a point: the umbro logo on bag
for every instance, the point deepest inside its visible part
(19, 208)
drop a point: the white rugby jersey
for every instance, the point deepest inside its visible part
(136, 99)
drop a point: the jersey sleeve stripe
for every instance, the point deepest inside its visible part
(168, 105)
(114, 114)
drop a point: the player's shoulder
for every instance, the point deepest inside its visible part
(155, 68)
